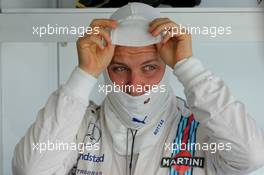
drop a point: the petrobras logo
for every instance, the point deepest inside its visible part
(92, 158)
(85, 172)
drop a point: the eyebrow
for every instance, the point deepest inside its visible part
(146, 62)
(149, 61)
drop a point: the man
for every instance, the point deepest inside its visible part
(141, 128)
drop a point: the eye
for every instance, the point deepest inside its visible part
(119, 69)
(149, 67)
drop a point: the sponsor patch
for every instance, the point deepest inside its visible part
(92, 158)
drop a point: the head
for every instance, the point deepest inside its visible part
(136, 63)
(137, 67)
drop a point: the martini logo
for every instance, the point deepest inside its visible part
(182, 162)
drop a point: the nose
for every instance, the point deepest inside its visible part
(136, 84)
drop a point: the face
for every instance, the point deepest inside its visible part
(136, 67)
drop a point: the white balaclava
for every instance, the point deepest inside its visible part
(136, 111)
(140, 113)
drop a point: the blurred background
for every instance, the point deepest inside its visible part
(112, 3)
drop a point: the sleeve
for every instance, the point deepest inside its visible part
(225, 118)
(48, 146)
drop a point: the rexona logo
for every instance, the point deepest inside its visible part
(182, 162)
(92, 158)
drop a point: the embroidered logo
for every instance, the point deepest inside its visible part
(93, 134)
(136, 120)
(182, 159)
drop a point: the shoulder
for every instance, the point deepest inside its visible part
(183, 107)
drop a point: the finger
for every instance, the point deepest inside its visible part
(166, 37)
(166, 27)
(99, 34)
(85, 35)
(90, 40)
(104, 23)
(105, 35)
(95, 40)
(158, 19)
(154, 25)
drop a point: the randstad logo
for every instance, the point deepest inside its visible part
(92, 158)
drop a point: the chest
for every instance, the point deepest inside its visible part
(176, 154)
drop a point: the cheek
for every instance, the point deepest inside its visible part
(155, 76)
(118, 78)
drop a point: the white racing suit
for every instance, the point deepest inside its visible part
(214, 135)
